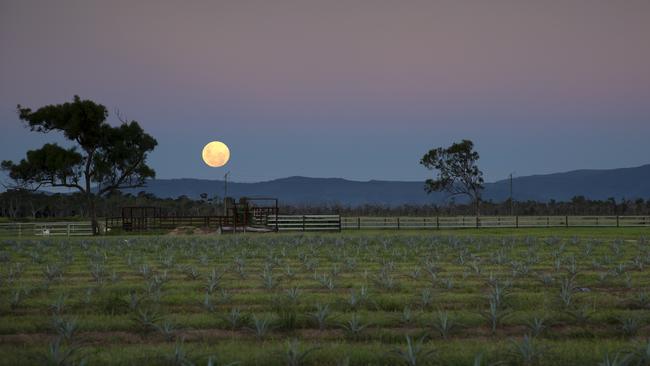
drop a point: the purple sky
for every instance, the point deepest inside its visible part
(354, 89)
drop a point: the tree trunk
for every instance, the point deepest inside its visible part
(92, 212)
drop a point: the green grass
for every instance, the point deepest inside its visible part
(610, 289)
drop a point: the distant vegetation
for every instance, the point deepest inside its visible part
(22, 204)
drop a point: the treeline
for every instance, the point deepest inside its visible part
(16, 204)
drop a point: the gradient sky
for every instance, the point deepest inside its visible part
(358, 89)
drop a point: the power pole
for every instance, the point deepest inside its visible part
(225, 193)
(512, 210)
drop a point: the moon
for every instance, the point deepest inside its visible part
(216, 154)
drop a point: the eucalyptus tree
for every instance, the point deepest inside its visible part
(103, 158)
(458, 172)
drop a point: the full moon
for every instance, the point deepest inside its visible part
(216, 154)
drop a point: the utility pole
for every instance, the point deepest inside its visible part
(512, 207)
(225, 193)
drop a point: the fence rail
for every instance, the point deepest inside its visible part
(449, 222)
(25, 229)
(305, 222)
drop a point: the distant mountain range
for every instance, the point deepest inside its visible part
(593, 184)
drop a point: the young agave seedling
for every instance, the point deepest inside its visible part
(567, 288)
(293, 295)
(581, 316)
(617, 360)
(641, 354)
(407, 317)
(58, 306)
(52, 273)
(414, 354)
(494, 315)
(167, 329)
(443, 324)
(321, 315)
(192, 273)
(526, 351)
(17, 298)
(260, 326)
(179, 357)
(213, 281)
(145, 319)
(536, 326)
(58, 354)
(98, 273)
(294, 356)
(447, 283)
(630, 326)
(268, 280)
(354, 327)
(65, 328)
(235, 319)
(207, 302)
(426, 297)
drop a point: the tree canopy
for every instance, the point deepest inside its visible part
(103, 158)
(457, 171)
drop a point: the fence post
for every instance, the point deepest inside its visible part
(303, 222)
(548, 221)
(358, 223)
(477, 222)
(566, 221)
(438, 222)
(339, 223)
(617, 222)
(517, 222)
(398, 223)
(68, 229)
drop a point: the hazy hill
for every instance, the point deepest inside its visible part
(593, 184)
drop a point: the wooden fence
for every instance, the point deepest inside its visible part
(449, 222)
(26, 229)
(305, 222)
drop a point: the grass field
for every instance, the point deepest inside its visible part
(464, 297)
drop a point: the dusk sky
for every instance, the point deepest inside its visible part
(357, 89)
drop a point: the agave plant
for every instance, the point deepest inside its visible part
(414, 354)
(58, 354)
(354, 327)
(444, 325)
(321, 315)
(260, 326)
(179, 356)
(494, 315)
(407, 316)
(65, 328)
(527, 351)
(167, 329)
(294, 356)
(630, 326)
(617, 360)
(145, 319)
(235, 319)
(536, 326)
(640, 356)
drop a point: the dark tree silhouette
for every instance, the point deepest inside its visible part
(104, 158)
(458, 173)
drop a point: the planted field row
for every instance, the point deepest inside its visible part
(325, 299)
